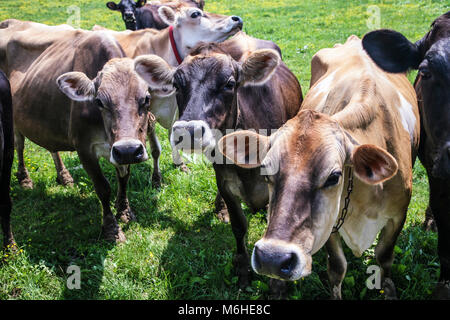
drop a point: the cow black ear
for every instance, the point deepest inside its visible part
(112, 6)
(140, 3)
(391, 51)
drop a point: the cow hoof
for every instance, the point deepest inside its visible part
(184, 168)
(114, 235)
(24, 179)
(242, 266)
(156, 181)
(223, 215)
(278, 289)
(390, 292)
(65, 179)
(442, 291)
(126, 215)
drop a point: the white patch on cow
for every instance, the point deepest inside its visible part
(324, 85)
(408, 117)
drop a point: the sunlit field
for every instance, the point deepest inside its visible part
(178, 248)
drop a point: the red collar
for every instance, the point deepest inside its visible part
(174, 46)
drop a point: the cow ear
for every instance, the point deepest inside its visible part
(112, 6)
(140, 3)
(245, 149)
(391, 51)
(373, 165)
(77, 86)
(259, 67)
(154, 70)
(168, 16)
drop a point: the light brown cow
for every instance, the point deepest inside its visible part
(82, 94)
(357, 123)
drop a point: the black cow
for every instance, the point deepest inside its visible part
(6, 159)
(140, 14)
(431, 56)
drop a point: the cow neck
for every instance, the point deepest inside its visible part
(174, 46)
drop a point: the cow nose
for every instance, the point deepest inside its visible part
(128, 152)
(189, 136)
(279, 264)
(238, 20)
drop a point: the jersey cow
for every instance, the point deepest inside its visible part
(140, 15)
(431, 55)
(355, 137)
(233, 85)
(92, 102)
(6, 159)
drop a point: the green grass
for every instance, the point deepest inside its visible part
(177, 248)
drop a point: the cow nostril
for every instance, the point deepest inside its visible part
(116, 153)
(288, 264)
(203, 131)
(236, 18)
(139, 152)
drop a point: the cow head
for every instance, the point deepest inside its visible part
(392, 52)
(192, 26)
(307, 160)
(128, 10)
(123, 100)
(207, 86)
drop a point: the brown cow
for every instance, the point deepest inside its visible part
(356, 136)
(82, 94)
(216, 93)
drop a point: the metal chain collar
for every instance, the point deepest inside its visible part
(344, 211)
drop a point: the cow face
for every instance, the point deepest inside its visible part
(122, 98)
(207, 88)
(193, 26)
(311, 154)
(128, 10)
(392, 52)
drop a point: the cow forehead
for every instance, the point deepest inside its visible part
(208, 66)
(118, 75)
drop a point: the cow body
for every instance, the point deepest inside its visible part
(141, 15)
(431, 55)
(6, 159)
(216, 93)
(104, 117)
(354, 116)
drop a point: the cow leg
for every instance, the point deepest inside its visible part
(429, 223)
(5, 211)
(239, 227)
(221, 209)
(63, 176)
(336, 265)
(22, 173)
(124, 212)
(156, 153)
(440, 198)
(111, 230)
(176, 157)
(384, 253)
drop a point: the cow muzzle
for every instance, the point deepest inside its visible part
(280, 260)
(192, 136)
(128, 151)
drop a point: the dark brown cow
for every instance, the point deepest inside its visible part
(141, 15)
(83, 94)
(216, 93)
(431, 55)
(6, 159)
(358, 126)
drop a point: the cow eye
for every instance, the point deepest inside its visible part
(425, 73)
(333, 179)
(195, 14)
(230, 85)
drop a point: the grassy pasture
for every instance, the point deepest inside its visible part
(177, 248)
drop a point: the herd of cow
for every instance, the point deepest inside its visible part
(338, 164)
